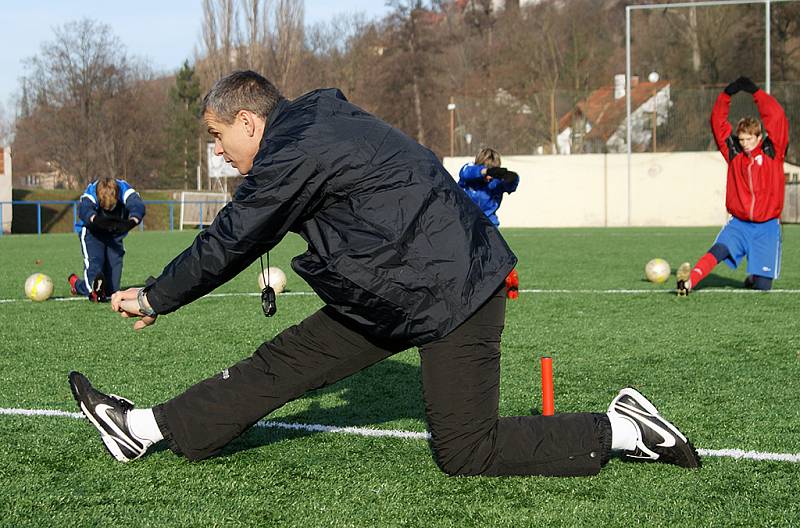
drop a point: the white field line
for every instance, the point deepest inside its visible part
(536, 291)
(624, 291)
(210, 295)
(738, 454)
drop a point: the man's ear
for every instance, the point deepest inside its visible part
(248, 120)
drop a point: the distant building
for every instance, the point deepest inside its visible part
(46, 180)
(496, 5)
(49, 176)
(597, 123)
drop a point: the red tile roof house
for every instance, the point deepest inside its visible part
(597, 123)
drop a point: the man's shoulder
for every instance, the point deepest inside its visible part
(325, 112)
(321, 93)
(312, 100)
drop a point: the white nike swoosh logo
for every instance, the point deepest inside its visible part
(102, 412)
(669, 439)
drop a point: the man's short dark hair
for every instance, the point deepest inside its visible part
(241, 90)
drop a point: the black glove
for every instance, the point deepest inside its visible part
(115, 226)
(128, 224)
(734, 87)
(510, 177)
(747, 85)
(742, 83)
(496, 172)
(104, 223)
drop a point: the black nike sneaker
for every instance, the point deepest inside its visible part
(98, 293)
(108, 413)
(658, 440)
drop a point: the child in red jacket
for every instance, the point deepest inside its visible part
(754, 192)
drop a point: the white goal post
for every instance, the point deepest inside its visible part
(200, 208)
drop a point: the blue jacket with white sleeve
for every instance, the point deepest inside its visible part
(485, 194)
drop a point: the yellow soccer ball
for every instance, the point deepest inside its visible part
(657, 270)
(38, 287)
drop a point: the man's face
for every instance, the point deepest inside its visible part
(749, 141)
(237, 142)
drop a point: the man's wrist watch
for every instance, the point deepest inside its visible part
(144, 306)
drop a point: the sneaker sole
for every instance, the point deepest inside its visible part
(682, 275)
(687, 450)
(684, 271)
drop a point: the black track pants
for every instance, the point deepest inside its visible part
(460, 378)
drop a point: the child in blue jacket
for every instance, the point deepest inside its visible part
(108, 209)
(485, 182)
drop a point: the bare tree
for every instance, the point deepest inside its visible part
(263, 35)
(340, 52)
(219, 35)
(6, 127)
(786, 40)
(283, 41)
(253, 31)
(81, 116)
(413, 48)
(705, 44)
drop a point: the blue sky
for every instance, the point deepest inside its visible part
(165, 32)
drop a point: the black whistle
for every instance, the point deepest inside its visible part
(268, 301)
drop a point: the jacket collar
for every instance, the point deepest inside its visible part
(273, 116)
(756, 151)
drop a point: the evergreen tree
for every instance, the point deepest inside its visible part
(183, 129)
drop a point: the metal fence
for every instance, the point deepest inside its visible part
(73, 205)
(530, 125)
(791, 203)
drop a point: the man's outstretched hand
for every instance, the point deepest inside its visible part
(127, 305)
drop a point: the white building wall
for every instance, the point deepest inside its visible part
(591, 190)
(5, 189)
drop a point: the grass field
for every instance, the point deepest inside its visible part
(722, 364)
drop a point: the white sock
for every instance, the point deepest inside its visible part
(624, 432)
(142, 423)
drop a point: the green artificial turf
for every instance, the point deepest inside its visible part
(722, 364)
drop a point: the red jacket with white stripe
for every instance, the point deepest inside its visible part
(755, 179)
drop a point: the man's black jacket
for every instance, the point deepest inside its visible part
(393, 243)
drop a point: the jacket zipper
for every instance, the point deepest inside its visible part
(752, 192)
